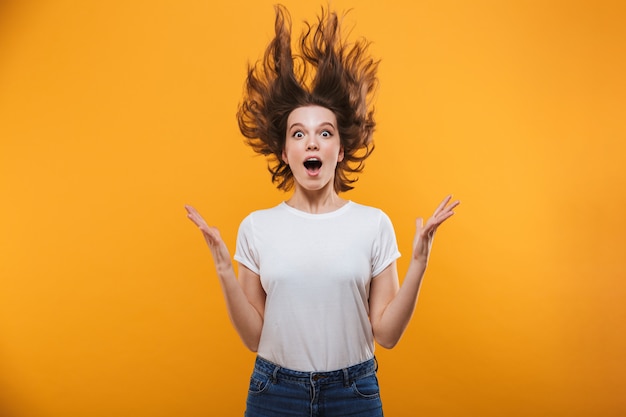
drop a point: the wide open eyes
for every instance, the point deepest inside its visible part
(298, 134)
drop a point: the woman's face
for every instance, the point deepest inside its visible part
(312, 147)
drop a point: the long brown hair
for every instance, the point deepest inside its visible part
(328, 71)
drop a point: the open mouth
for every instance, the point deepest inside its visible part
(312, 165)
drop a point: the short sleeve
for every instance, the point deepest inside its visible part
(245, 251)
(385, 248)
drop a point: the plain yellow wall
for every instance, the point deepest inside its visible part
(115, 114)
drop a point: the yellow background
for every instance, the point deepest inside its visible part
(114, 114)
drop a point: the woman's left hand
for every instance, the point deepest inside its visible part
(426, 232)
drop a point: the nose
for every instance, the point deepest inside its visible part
(311, 144)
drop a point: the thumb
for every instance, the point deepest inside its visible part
(419, 227)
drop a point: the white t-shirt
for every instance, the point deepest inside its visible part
(316, 271)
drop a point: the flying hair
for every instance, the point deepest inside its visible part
(326, 71)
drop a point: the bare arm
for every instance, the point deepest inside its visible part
(392, 306)
(245, 298)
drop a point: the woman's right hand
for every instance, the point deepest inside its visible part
(212, 236)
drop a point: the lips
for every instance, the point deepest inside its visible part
(313, 166)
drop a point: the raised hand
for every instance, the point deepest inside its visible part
(425, 233)
(212, 236)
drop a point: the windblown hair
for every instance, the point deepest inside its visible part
(329, 72)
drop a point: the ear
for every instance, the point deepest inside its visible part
(340, 157)
(284, 157)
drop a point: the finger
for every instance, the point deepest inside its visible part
(436, 221)
(447, 209)
(442, 204)
(444, 216)
(198, 222)
(430, 226)
(419, 226)
(452, 205)
(194, 220)
(193, 214)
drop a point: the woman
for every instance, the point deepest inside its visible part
(318, 282)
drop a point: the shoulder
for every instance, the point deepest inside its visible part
(378, 221)
(263, 215)
(368, 211)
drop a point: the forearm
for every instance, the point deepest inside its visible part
(397, 315)
(391, 308)
(246, 318)
(247, 321)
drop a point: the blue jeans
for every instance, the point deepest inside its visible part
(279, 392)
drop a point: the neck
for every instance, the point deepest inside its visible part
(316, 202)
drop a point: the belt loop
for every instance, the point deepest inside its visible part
(274, 374)
(346, 377)
(376, 364)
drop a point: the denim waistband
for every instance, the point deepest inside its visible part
(345, 375)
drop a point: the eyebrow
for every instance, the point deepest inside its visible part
(298, 124)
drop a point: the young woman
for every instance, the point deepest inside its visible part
(317, 280)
